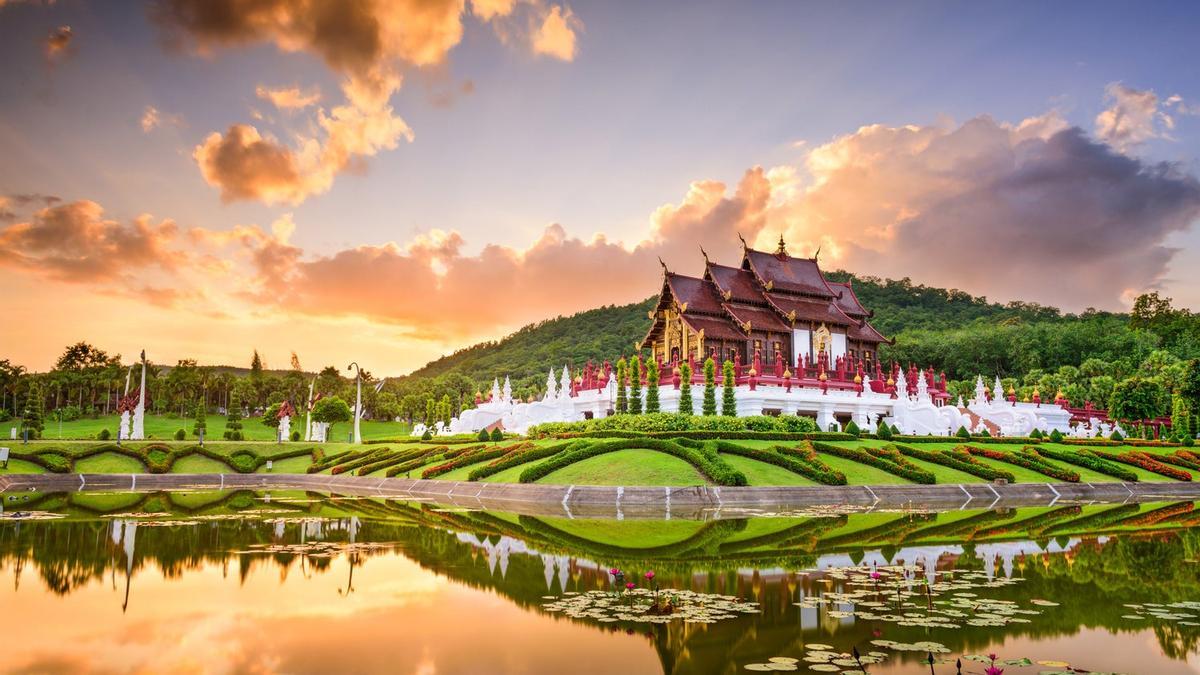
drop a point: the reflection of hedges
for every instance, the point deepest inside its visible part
(810, 528)
(1031, 525)
(1096, 520)
(890, 530)
(960, 461)
(703, 458)
(964, 526)
(706, 539)
(1155, 516)
(1031, 462)
(1087, 461)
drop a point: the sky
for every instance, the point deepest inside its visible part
(387, 182)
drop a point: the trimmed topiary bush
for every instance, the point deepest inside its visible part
(852, 429)
(728, 394)
(962, 433)
(295, 435)
(1116, 436)
(104, 435)
(884, 433)
(483, 436)
(1056, 436)
(497, 435)
(427, 436)
(180, 434)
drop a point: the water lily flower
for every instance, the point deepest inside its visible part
(630, 585)
(649, 575)
(614, 571)
(993, 670)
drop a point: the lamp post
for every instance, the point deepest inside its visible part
(357, 399)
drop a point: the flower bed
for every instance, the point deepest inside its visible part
(331, 460)
(961, 461)
(1087, 461)
(705, 459)
(400, 457)
(1031, 462)
(800, 463)
(373, 456)
(890, 461)
(1185, 459)
(1144, 461)
(1001, 440)
(415, 463)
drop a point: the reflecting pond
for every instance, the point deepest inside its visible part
(300, 582)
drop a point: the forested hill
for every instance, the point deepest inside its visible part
(952, 330)
(527, 355)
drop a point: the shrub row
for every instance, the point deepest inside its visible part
(415, 463)
(801, 464)
(1096, 442)
(451, 454)
(959, 461)
(1144, 461)
(674, 422)
(885, 461)
(158, 458)
(331, 460)
(457, 439)
(397, 458)
(1190, 459)
(1031, 462)
(470, 458)
(370, 457)
(525, 456)
(705, 459)
(1086, 461)
(1002, 440)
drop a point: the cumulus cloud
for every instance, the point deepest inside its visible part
(244, 164)
(431, 287)
(1036, 211)
(368, 42)
(289, 98)
(74, 242)
(555, 36)
(1133, 117)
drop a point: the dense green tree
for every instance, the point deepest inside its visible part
(652, 405)
(1137, 399)
(685, 389)
(635, 389)
(430, 412)
(331, 411)
(200, 425)
(708, 405)
(622, 392)
(270, 416)
(728, 393)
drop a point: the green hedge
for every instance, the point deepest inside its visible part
(963, 462)
(466, 459)
(1086, 461)
(518, 459)
(705, 459)
(901, 468)
(1002, 440)
(393, 460)
(675, 422)
(372, 456)
(1144, 461)
(1031, 462)
(802, 465)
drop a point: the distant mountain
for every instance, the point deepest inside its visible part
(610, 332)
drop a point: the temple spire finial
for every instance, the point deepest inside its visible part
(664, 265)
(743, 240)
(817, 253)
(782, 250)
(704, 253)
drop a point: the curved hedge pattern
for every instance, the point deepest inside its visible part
(1086, 461)
(523, 457)
(962, 462)
(1144, 461)
(1031, 462)
(705, 459)
(799, 463)
(156, 457)
(907, 470)
(468, 458)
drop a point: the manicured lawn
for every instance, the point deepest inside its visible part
(200, 464)
(628, 533)
(761, 473)
(616, 468)
(21, 466)
(109, 462)
(289, 465)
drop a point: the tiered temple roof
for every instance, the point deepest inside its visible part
(763, 301)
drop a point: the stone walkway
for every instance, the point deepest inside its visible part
(575, 501)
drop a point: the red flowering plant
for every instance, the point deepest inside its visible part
(1144, 461)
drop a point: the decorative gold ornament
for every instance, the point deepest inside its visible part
(727, 295)
(822, 377)
(857, 379)
(683, 307)
(746, 326)
(792, 316)
(787, 372)
(770, 285)
(753, 372)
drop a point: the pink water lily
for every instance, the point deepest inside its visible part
(630, 585)
(993, 670)
(649, 575)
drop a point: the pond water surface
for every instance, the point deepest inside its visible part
(296, 582)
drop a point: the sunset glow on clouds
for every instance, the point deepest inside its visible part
(1052, 205)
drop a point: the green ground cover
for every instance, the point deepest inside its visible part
(109, 462)
(761, 473)
(616, 468)
(199, 464)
